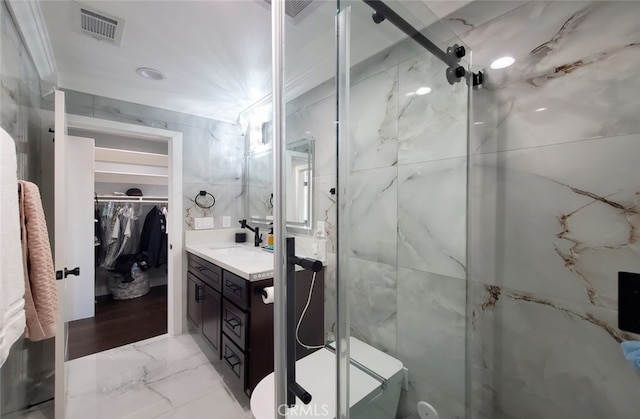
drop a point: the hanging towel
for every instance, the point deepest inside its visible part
(12, 317)
(631, 350)
(40, 282)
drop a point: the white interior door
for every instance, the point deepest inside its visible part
(80, 289)
(73, 238)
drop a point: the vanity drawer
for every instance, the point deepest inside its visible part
(234, 323)
(235, 289)
(207, 272)
(233, 359)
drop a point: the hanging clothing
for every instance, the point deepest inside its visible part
(123, 234)
(153, 241)
(113, 238)
(98, 237)
(40, 282)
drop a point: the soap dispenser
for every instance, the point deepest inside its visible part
(270, 238)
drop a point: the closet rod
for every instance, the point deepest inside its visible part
(140, 199)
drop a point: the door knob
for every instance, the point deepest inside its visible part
(75, 271)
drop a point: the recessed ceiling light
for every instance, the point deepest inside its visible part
(423, 91)
(541, 109)
(502, 62)
(478, 123)
(150, 73)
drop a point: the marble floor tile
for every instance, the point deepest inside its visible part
(41, 411)
(217, 403)
(166, 375)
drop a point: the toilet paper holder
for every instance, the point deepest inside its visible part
(266, 294)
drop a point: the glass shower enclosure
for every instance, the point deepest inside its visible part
(390, 183)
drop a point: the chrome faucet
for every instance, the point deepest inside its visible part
(257, 238)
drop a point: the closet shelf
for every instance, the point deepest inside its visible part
(132, 157)
(126, 198)
(131, 178)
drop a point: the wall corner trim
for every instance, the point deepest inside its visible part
(30, 22)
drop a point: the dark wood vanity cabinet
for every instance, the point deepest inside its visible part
(204, 301)
(244, 331)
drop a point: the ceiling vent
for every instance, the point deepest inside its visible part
(99, 25)
(293, 7)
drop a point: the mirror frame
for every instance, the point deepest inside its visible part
(308, 225)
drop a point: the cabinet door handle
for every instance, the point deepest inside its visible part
(232, 364)
(233, 323)
(199, 295)
(233, 287)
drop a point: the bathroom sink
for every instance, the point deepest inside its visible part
(234, 250)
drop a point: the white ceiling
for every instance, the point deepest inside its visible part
(216, 54)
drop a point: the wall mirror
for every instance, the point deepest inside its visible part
(299, 183)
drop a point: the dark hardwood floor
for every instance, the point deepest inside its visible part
(119, 323)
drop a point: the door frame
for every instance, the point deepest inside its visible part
(176, 307)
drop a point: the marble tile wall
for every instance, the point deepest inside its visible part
(213, 151)
(25, 377)
(553, 209)
(407, 210)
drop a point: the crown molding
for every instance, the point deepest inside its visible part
(30, 22)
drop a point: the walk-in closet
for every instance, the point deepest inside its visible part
(130, 213)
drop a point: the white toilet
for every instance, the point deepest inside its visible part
(369, 398)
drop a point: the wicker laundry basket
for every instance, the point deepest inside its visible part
(128, 290)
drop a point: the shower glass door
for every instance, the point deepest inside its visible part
(401, 166)
(389, 201)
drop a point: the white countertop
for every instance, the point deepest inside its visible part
(246, 261)
(252, 263)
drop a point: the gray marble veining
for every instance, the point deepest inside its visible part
(229, 202)
(432, 216)
(372, 296)
(570, 82)
(373, 214)
(553, 211)
(160, 377)
(211, 156)
(558, 220)
(373, 134)
(431, 329)
(434, 125)
(534, 356)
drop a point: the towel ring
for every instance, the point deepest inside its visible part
(202, 205)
